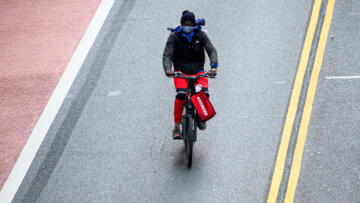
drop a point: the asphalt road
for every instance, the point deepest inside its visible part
(331, 163)
(111, 140)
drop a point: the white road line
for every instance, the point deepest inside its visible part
(43, 124)
(343, 77)
(114, 93)
(280, 82)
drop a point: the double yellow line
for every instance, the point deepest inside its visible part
(294, 100)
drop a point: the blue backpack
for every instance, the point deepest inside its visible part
(198, 23)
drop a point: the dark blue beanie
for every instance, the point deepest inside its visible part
(187, 15)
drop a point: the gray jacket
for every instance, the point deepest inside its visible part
(188, 57)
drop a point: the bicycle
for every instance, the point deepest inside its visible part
(189, 118)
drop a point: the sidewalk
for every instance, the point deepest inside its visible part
(37, 40)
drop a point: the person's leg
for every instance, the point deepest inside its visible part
(204, 82)
(205, 87)
(180, 85)
(178, 109)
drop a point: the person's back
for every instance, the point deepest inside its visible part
(185, 50)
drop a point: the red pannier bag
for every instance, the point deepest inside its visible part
(202, 104)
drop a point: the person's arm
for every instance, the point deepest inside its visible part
(211, 51)
(169, 53)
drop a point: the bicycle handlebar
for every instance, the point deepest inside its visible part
(181, 75)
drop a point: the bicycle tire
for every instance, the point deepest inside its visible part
(184, 129)
(189, 139)
(195, 128)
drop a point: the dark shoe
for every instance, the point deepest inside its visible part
(176, 133)
(201, 125)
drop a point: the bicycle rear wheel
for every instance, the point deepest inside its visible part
(190, 140)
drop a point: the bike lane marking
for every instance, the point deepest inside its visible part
(41, 128)
(310, 96)
(292, 109)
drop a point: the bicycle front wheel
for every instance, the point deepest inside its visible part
(190, 140)
(184, 129)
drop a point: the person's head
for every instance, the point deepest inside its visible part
(188, 23)
(187, 18)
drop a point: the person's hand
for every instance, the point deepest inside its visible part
(213, 72)
(169, 73)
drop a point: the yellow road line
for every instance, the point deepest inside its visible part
(294, 100)
(299, 149)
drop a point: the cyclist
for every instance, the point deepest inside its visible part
(185, 49)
